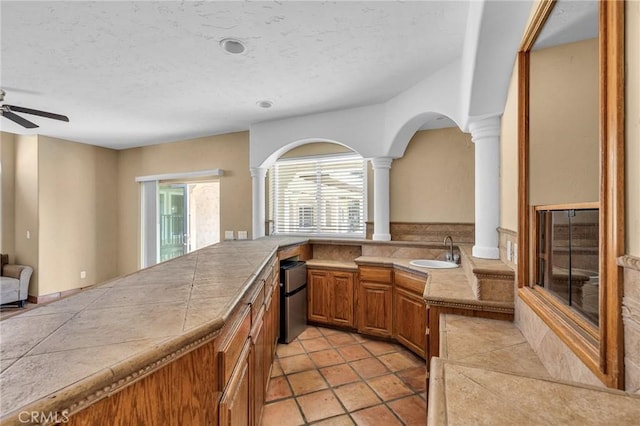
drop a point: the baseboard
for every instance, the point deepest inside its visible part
(47, 298)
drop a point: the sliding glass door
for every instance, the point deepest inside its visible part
(177, 218)
(173, 202)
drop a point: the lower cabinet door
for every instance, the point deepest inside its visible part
(234, 404)
(257, 370)
(341, 297)
(375, 310)
(318, 289)
(411, 321)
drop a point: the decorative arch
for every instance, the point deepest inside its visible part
(271, 159)
(404, 134)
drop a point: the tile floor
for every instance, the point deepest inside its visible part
(331, 377)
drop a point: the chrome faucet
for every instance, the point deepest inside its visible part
(449, 256)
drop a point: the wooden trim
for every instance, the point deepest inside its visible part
(612, 101)
(586, 328)
(540, 16)
(605, 359)
(523, 168)
(568, 206)
(300, 251)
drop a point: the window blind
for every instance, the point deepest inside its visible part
(320, 195)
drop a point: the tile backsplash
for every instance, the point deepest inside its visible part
(462, 233)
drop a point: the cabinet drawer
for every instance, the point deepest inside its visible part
(409, 282)
(234, 403)
(269, 271)
(375, 274)
(232, 347)
(302, 251)
(257, 300)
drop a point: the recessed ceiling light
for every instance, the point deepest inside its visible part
(232, 45)
(265, 104)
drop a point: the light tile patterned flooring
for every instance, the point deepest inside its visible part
(331, 377)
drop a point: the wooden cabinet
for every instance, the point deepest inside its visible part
(318, 289)
(257, 368)
(247, 352)
(233, 340)
(341, 301)
(264, 335)
(411, 321)
(222, 380)
(234, 405)
(272, 320)
(410, 312)
(375, 301)
(330, 296)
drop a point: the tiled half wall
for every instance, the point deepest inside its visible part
(631, 321)
(462, 233)
(558, 359)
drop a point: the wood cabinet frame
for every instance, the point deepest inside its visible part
(604, 354)
(331, 296)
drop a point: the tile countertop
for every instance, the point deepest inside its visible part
(463, 394)
(488, 374)
(444, 287)
(55, 355)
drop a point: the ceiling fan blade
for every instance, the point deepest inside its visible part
(21, 121)
(37, 112)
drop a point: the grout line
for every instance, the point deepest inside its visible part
(397, 350)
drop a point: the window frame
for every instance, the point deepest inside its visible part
(325, 158)
(602, 351)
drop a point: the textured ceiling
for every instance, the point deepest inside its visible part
(136, 73)
(570, 21)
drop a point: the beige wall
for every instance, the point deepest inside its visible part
(26, 205)
(434, 180)
(315, 148)
(7, 207)
(563, 124)
(77, 208)
(228, 152)
(509, 158)
(632, 77)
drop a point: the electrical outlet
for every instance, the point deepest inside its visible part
(28, 235)
(228, 235)
(509, 250)
(83, 275)
(242, 235)
(515, 253)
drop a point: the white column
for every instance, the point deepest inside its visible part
(381, 167)
(258, 175)
(486, 136)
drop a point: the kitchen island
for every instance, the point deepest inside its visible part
(64, 357)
